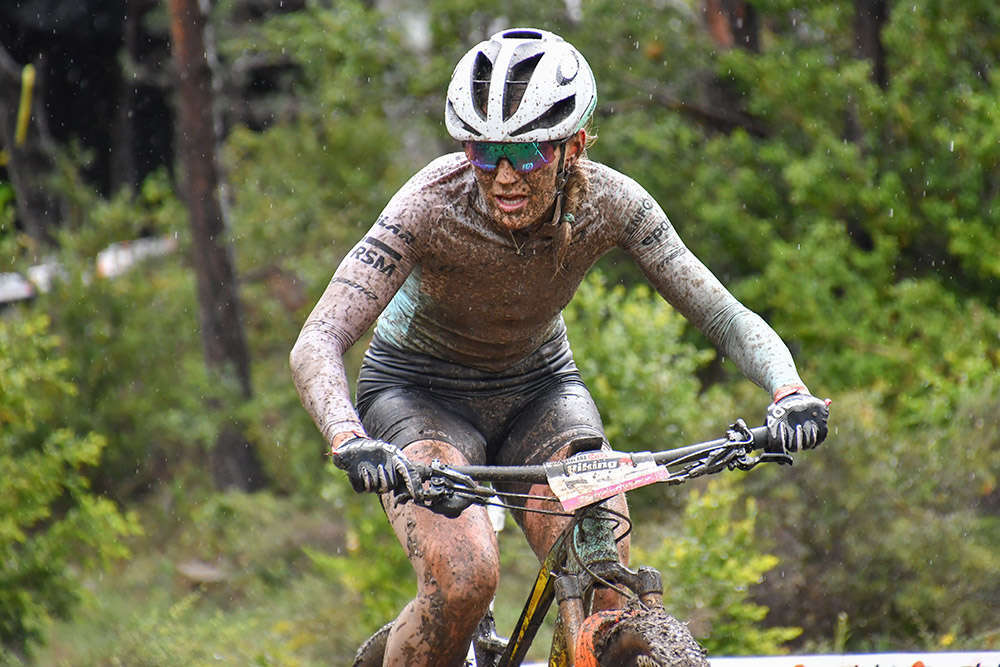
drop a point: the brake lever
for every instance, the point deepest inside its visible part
(448, 492)
(431, 486)
(781, 458)
(439, 473)
(442, 482)
(739, 433)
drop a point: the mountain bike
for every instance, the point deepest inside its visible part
(585, 557)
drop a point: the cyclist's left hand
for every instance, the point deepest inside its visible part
(797, 421)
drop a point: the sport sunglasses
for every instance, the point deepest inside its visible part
(524, 157)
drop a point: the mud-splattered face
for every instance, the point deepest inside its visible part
(517, 200)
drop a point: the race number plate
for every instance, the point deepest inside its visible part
(590, 477)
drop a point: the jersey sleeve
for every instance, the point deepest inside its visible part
(364, 283)
(690, 287)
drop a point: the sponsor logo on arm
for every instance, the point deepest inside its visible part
(395, 229)
(377, 255)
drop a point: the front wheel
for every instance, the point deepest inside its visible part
(373, 650)
(488, 646)
(648, 638)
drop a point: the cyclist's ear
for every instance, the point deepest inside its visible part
(575, 146)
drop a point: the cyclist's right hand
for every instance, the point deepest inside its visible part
(374, 466)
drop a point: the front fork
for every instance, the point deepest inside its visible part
(592, 561)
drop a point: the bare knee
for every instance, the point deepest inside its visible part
(463, 580)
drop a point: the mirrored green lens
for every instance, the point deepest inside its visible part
(524, 157)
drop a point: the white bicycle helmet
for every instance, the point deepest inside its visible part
(520, 85)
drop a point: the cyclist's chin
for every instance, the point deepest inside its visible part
(514, 219)
(512, 223)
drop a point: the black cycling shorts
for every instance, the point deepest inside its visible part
(519, 416)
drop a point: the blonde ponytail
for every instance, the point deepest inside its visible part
(574, 193)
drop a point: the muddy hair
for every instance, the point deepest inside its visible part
(575, 192)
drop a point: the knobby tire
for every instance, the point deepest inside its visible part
(650, 638)
(371, 653)
(489, 647)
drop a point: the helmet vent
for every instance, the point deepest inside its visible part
(453, 116)
(557, 113)
(522, 34)
(481, 72)
(517, 82)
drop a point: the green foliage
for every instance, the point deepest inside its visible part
(378, 587)
(893, 527)
(314, 182)
(191, 631)
(897, 337)
(50, 520)
(866, 200)
(287, 442)
(132, 343)
(8, 238)
(183, 634)
(708, 569)
(223, 579)
(225, 531)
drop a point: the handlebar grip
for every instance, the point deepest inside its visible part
(773, 451)
(761, 438)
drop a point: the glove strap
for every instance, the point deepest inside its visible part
(331, 450)
(788, 390)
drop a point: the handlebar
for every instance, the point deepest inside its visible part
(536, 474)
(450, 489)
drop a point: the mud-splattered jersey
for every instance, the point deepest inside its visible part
(443, 280)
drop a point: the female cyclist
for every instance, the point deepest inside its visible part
(467, 271)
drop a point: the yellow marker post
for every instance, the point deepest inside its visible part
(24, 109)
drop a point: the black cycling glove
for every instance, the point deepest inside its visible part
(375, 466)
(797, 421)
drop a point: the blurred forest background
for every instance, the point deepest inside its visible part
(163, 495)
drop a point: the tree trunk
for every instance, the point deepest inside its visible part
(123, 167)
(732, 23)
(234, 461)
(869, 18)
